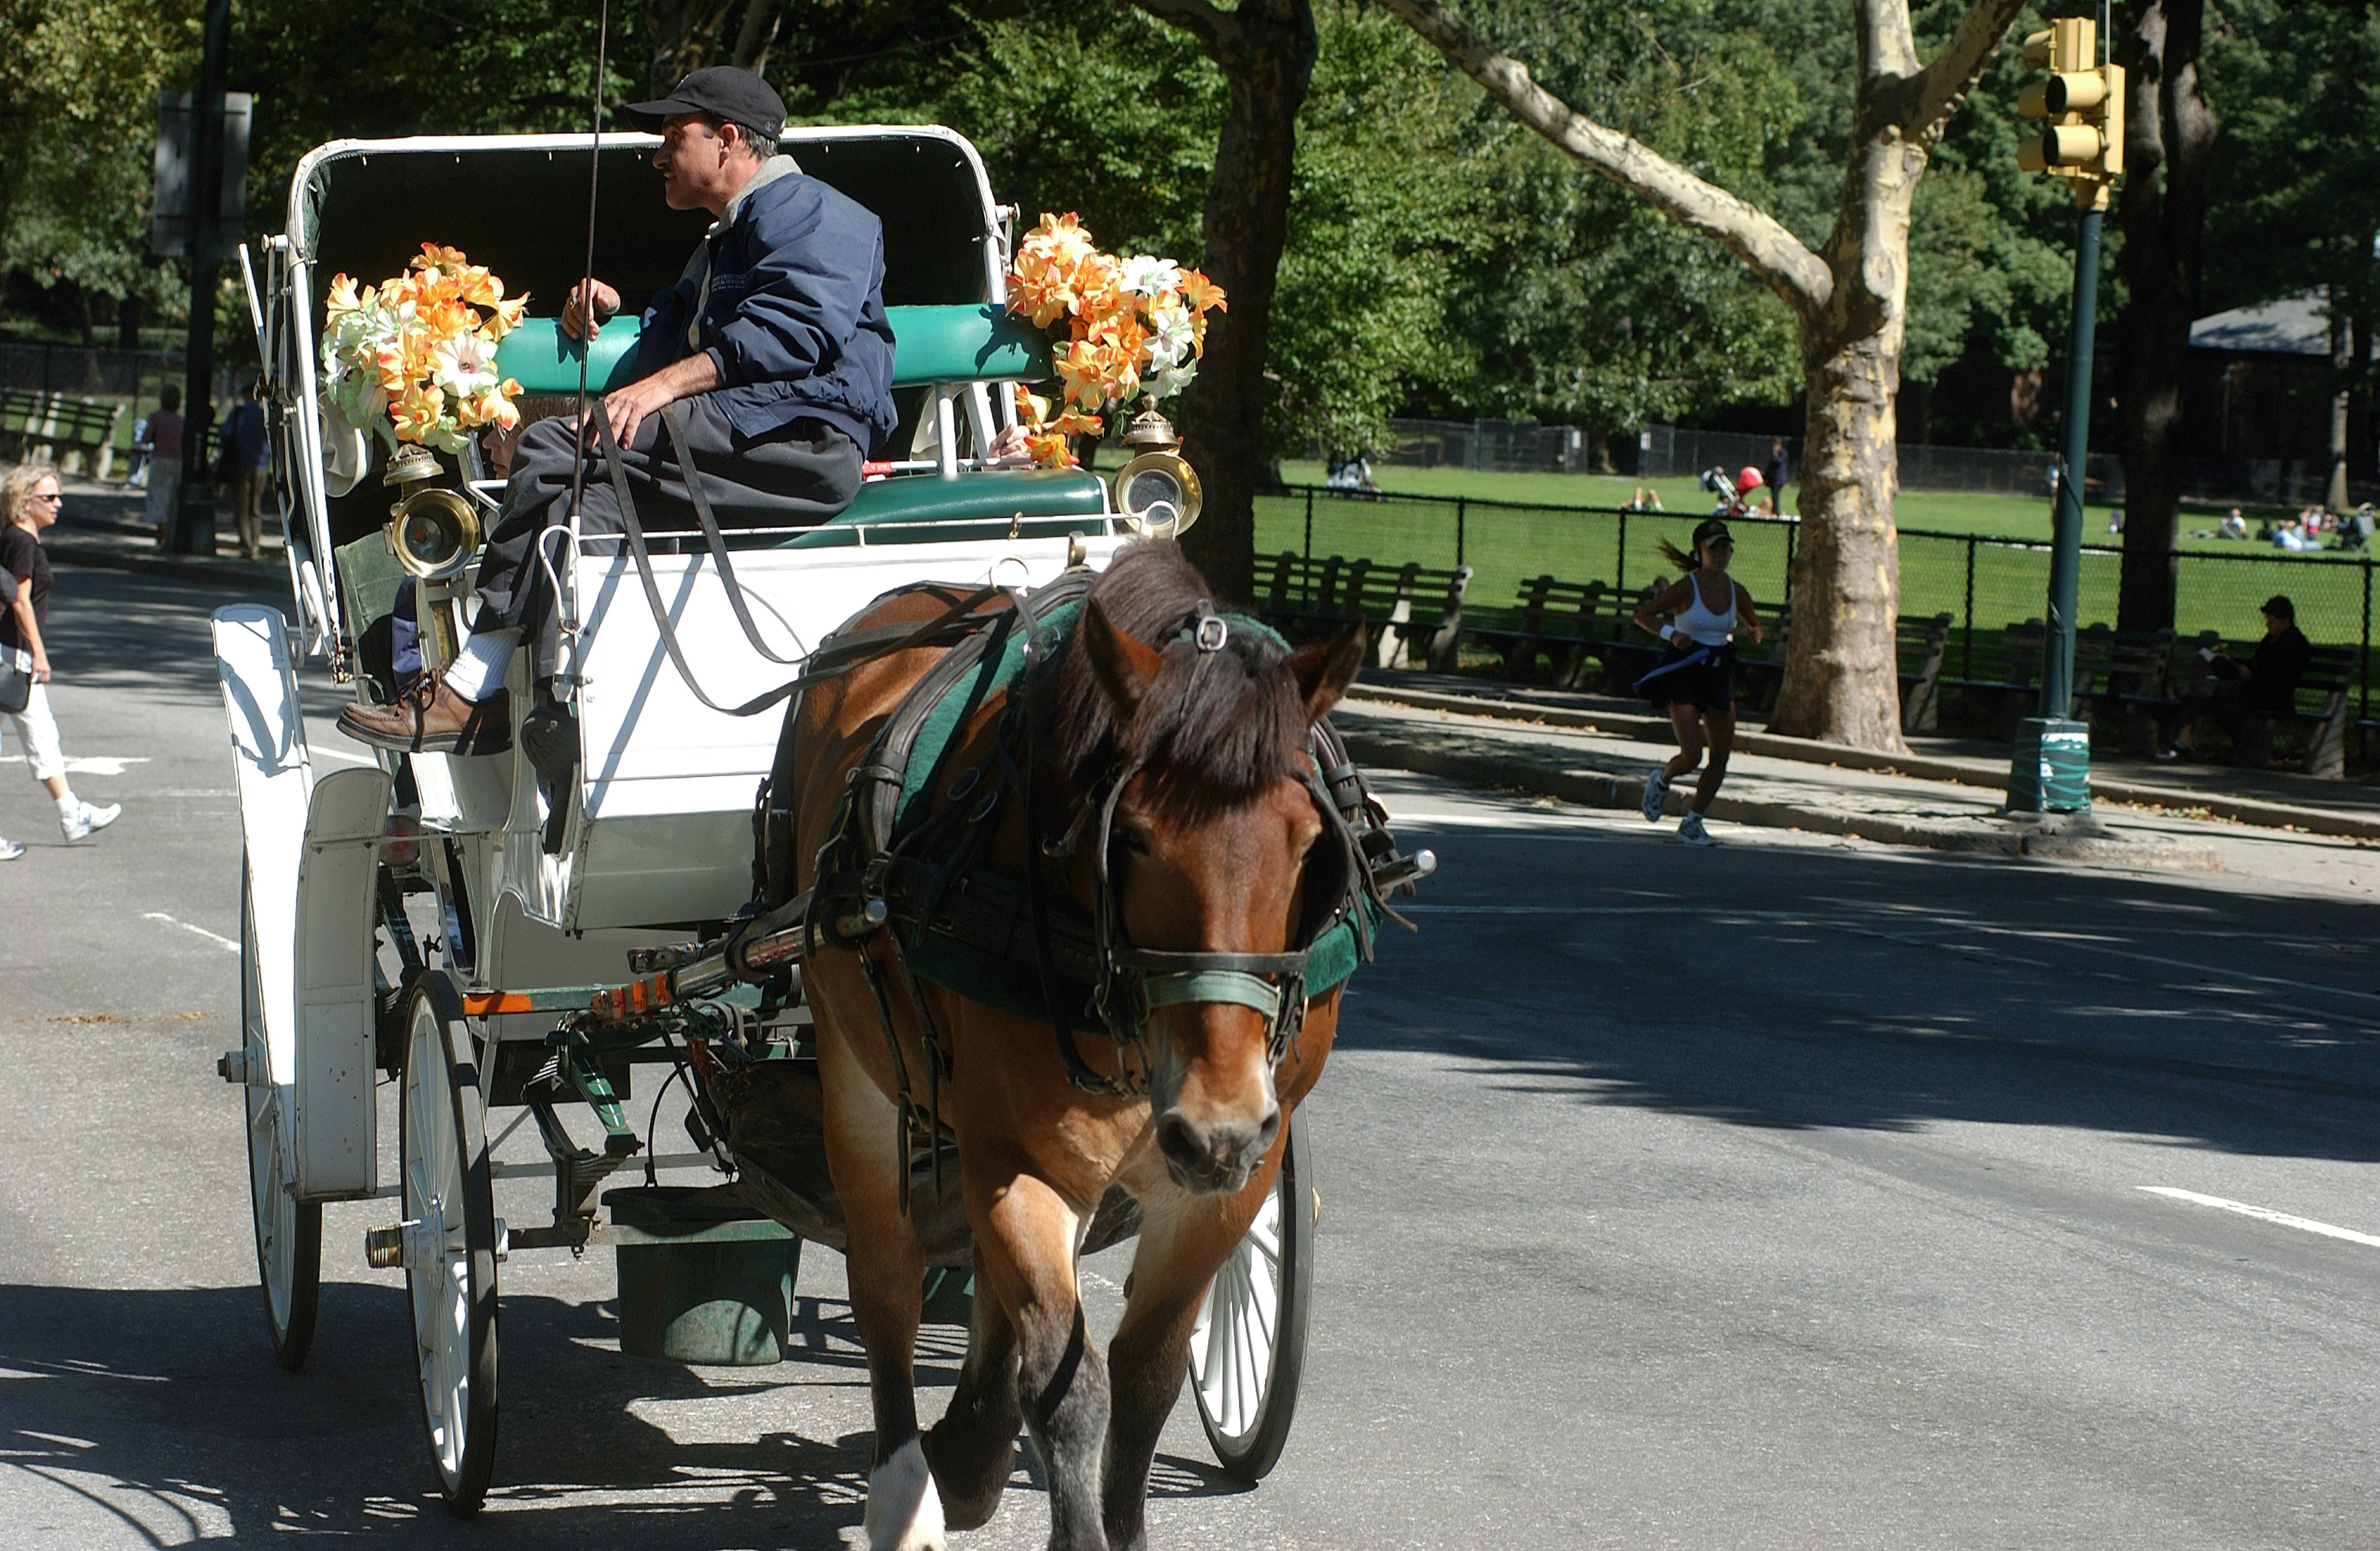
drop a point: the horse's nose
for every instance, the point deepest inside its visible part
(1214, 1159)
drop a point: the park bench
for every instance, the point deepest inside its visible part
(2017, 694)
(78, 434)
(1920, 645)
(1402, 605)
(2330, 673)
(1561, 619)
(2138, 697)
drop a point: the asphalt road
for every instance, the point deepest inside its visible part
(1797, 1192)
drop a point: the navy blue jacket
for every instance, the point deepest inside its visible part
(795, 318)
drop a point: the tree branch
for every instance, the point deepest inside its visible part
(1961, 64)
(1771, 251)
(1213, 27)
(1886, 46)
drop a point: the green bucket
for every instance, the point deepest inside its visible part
(703, 1277)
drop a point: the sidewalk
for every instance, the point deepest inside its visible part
(1603, 768)
(2268, 799)
(103, 525)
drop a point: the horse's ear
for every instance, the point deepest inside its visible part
(1324, 672)
(1126, 667)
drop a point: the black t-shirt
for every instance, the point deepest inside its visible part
(21, 557)
(2276, 667)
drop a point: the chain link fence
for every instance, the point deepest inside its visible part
(1984, 584)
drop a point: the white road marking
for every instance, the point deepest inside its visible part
(89, 764)
(318, 751)
(219, 942)
(2266, 1214)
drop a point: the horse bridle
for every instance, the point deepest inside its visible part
(1135, 981)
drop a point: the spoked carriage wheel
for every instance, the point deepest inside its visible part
(450, 1242)
(288, 1233)
(1247, 1351)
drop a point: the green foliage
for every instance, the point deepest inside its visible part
(78, 83)
(2296, 202)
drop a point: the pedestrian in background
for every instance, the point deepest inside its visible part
(30, 498)
(165, 461)
(1780, 469)
(1695, 680)
(247, 455)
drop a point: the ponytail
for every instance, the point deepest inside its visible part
(1680, 558)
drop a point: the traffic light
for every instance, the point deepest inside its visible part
(2084, 102)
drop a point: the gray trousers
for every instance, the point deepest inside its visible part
(796, 478)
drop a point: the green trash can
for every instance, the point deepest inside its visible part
(703, 1277)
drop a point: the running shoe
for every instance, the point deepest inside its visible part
(1691, 833)
(1657, 792)
(89, 820)
(10, 850)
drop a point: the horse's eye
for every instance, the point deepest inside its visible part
(1132, 840)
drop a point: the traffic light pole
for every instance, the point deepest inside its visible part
(193, 529)
(2050, 771)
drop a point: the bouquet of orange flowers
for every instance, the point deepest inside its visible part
(1135, 326)
(414, 357)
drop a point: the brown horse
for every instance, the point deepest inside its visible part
(1210, 844)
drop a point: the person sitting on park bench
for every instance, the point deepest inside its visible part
(2265, 685)
(774, 350)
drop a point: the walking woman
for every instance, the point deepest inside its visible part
(29, 503)
(1696, 678)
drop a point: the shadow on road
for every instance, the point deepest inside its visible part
(1796, 987)
(163, 1410)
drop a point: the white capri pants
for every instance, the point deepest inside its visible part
(38, 731)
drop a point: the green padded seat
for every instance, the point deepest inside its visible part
(981, 342)
(1053, 502)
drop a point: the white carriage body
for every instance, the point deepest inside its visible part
(659, 840)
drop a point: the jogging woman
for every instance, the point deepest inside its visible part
(1696, 678)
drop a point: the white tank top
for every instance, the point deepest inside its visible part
(1700, 623)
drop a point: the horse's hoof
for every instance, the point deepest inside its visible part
(904, 1512)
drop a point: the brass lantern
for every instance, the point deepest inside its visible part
(432, 533)
(1158, 491)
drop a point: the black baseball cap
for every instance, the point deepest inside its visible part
(2279, 607)
(721, 90)
(1711, 528)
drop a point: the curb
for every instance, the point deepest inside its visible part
(1543, 774)
(1923, 767)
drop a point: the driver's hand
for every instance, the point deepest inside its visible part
(605, 301)
(627, 409)
(1009, 443)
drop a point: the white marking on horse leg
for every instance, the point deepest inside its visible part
(904, 1512)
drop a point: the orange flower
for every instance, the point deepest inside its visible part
(1050, 451)
(1202, 293)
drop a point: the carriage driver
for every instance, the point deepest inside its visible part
(775, 348)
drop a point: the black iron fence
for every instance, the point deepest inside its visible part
(1984, 583)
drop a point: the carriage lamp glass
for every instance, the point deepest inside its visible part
(1158, 491)
(432, 533)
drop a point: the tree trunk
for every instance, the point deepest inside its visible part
(1266, 50)
(1842, 677)
(685, 37)
(128, 324)
(2335, 493)
(2168, 145)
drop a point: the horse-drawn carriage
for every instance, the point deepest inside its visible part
(488, 934)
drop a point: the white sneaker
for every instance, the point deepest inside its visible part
(1657, 792)
(89, 820)
(10, 850)
(1691, 833)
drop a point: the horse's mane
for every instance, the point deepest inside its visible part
(1214, 725)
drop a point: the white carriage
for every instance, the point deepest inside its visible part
(431, 916)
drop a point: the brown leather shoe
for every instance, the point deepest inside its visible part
(429, 718)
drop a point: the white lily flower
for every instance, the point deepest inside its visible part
(1144, 275)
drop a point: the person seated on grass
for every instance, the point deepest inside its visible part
(2234, 526)
(2265, 685)
(774, 348)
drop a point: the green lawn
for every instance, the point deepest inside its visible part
(1999, 576)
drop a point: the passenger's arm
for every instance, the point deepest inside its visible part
(1750, 614)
